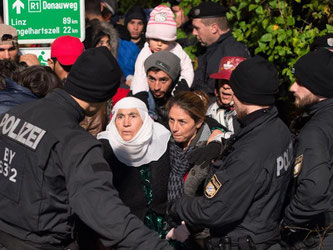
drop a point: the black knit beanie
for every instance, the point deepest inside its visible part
(315, 72)
(255, 81)
(136, 12)
(94, 77)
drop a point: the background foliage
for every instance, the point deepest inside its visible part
(280, 30)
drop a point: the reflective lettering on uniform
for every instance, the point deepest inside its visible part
(4, 119)
(283, 161)
(28, 134)
(11, 132)
(35, 136)
(21, 133)
(5, 166)
(25, 129)
(32, 136)
(8, 124)
(9, 155)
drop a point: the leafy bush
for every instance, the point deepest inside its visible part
(281, 30)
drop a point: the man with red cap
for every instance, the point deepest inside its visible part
(64, 52)
(222, 110)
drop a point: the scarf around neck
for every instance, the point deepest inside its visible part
(150, 142)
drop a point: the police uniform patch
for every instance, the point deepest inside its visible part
(298, 165)
(212, 187)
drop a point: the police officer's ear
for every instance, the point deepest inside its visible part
(214, 28)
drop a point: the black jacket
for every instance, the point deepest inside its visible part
(313, 171)
(209, 62)
(246, 187)
(56, 170)
(127, 180)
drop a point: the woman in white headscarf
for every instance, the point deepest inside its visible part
(136, 148)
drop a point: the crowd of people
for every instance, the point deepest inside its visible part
(120, 143)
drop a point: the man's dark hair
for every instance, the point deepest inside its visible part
(67, 68)
(39, 79)
(8, 69)
(154, 69)
(93, 7)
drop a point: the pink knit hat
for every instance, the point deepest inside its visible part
(162, 24)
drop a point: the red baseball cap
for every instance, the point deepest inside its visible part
(67, 49)
(227, 65)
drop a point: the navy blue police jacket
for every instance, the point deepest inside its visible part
(312, 197)
(245, 190)
(209, 62)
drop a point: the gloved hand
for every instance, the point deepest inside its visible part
(181, 86)
(180, 233)
(288, 236)
(172, 216)
(195, 179)
(205, 154)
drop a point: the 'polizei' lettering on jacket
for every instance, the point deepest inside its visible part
(21, 131)
(283, 162)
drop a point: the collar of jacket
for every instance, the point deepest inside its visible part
(200, 138)
(245, 121)
(220, 40)
(66, 100)
(271, 113)
(320, 105)
(257, 120)
(226, 108)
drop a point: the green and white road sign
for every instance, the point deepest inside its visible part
(42, 53)
(42, 21)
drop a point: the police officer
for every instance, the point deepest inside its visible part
(243, 194)
(211, 28)
(325, 42)
(52, 171)
(311, 206)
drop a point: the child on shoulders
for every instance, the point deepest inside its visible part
(161, 36)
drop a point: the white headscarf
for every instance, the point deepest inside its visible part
(148, 145)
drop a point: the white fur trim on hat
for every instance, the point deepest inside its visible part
(162, 24)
